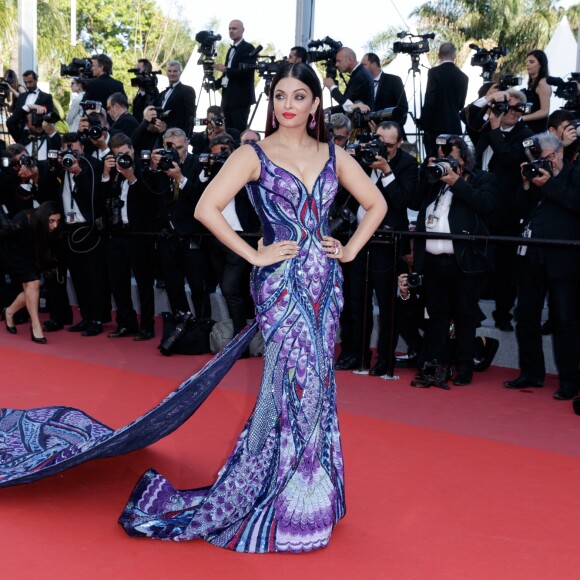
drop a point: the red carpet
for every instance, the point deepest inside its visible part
(476, 482)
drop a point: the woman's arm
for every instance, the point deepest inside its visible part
(544, 91)
(242, 166)
(357, 182)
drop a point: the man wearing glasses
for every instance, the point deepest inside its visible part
(550, 206)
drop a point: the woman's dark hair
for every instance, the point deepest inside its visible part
(542, 59)
(304, 73)
(38, 219)
(464, 152)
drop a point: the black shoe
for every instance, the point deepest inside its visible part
(347, 363)
(522, 382)
(37, 340)
(408, 360)
(483, 359)
(79, 326)
(565, 394)
(10, 329)
(122, 332)
(463, 378)
(504, 325)
(144, 335)
(93, 329)
(52, 326)
(381, 368)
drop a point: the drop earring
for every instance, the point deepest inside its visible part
(273, 120)
(312, 123)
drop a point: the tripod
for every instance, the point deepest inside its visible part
(415, 69)
(268, 77)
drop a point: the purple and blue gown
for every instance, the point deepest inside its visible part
(282, 488)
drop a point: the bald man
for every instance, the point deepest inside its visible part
(359, 88)
(237, 85)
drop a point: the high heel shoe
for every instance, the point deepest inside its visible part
(41, 340)
(10, 329)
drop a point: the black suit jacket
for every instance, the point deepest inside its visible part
(181, 104)
(16, 123)
(43, 99)
(391, 93)
(125, 124)
(360, 87)
(101, 88)
(508, 154)
(472, 203)
(240, 90)
(553, 213)
(444, 98)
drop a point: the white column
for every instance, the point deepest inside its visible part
(304, 23)
(27, 28)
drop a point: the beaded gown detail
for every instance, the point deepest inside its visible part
(282, 488)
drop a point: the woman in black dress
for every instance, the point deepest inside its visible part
(25, 253)
(538, 92)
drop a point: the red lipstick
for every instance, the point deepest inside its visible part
(288, 115)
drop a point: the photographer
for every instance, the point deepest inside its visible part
(132, 209)
(172, 176)
(77, 179)
(500, 151)
(564, 125)
(457, 199)
(177, 101)
(230, 270)
(122, 120)
(103, 85)
(395, 173)
(149, 133)
(237, 85)
(35, 130)
(549, 199)
(148, 93)
(215, 125)
(297, 54)
(94, 134)
(33, 96)
(360, 85)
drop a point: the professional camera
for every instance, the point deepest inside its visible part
(327, 48)
(536, 162)
(124, 160)
(147, 81)
(114, 207)
(78, 67)
(37, 119)
(95, 131)
(414, 48)
(365, 153)
(4, 89)
(213, 162)
(146, 159)
(65, 158)
(168, 157)
(414, 280)
(440, 168)
(342, 222)
(567, 90)
(487, 59)
(359, 120)
(95, 106)
(27, 161)
(5, 159)
(501, 107)
(507, 81)
(217, 120)
(184, 321)
(207, 41)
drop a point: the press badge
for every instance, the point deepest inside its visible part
(71, 217)
(527, 233)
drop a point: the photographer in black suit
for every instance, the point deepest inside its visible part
(549, 199)
(457, 199)
(172, 177)
(444, 98)
(360, 86)
(395, 173)
(121, 120)
(388, 89)
(238, 94)
(131, 208)
(103, 85)
(177, 100)
(230, 270)
(147, 96)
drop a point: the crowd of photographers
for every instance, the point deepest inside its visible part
(128, 183)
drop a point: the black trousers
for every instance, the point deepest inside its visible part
(88, 272)
(237, 117)
(451, 296)
(563, 304)
(182, 259)
(232, 273)
(382, 280)
(504, 278)
(128, 254)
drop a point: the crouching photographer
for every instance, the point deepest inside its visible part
(456, 199)
(230, 271)
(131, 209)
(549, 200)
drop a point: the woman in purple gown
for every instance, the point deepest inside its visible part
(282, 489)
